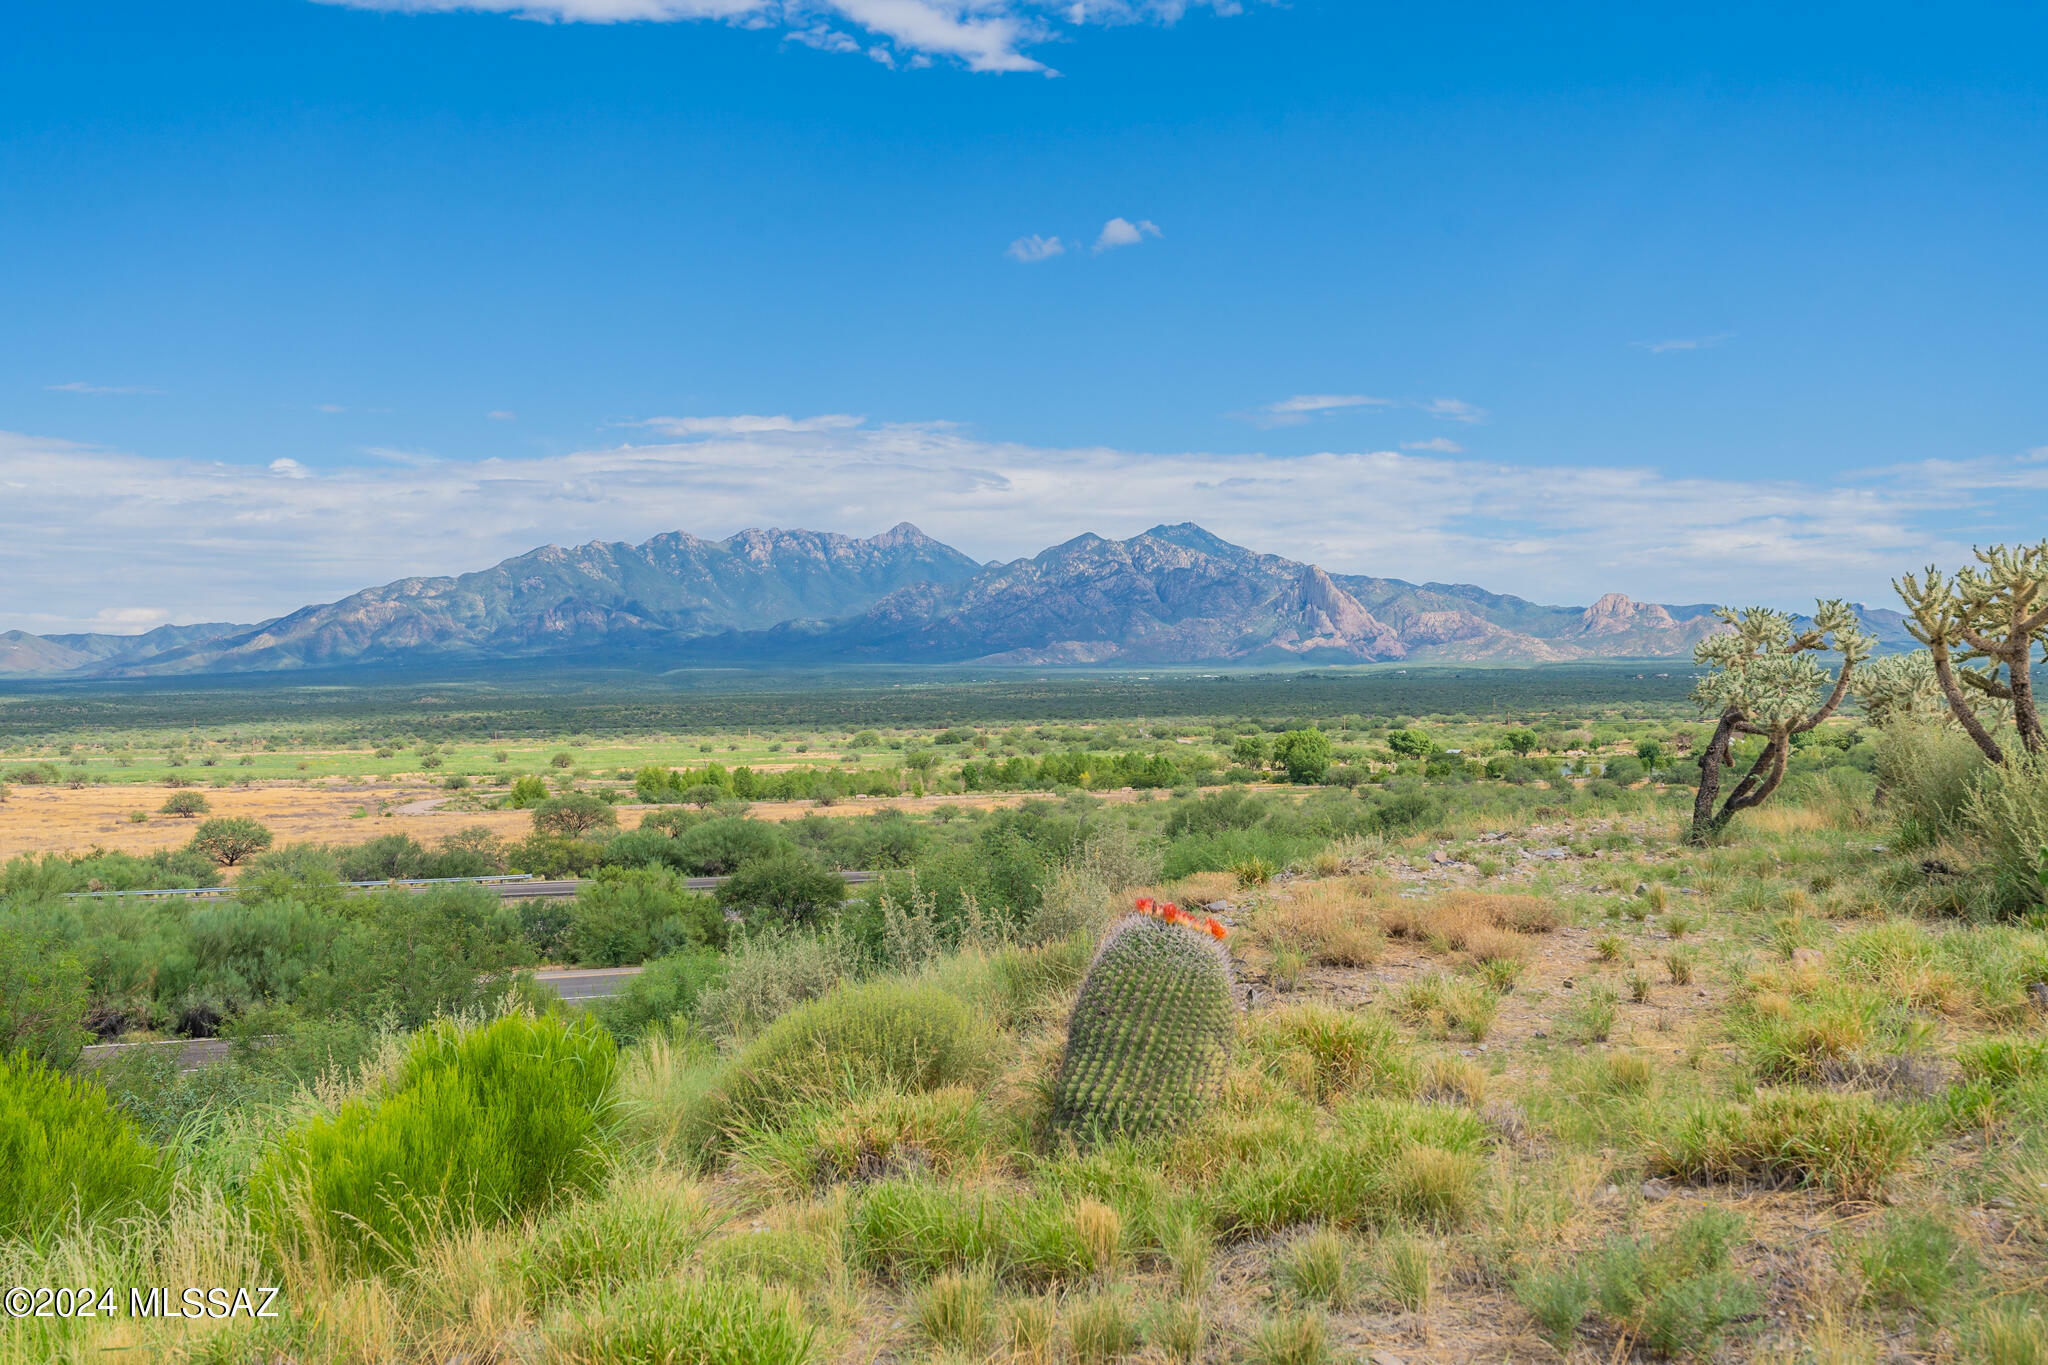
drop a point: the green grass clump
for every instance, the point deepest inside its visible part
(1327, 1053)
(1441, 1004)
(881, 1034)
(1386, 1162)
(67, 1153)
(1676, 1293)
(952, 1309)
(1290, 1339)
(686, 1321)
(1319, 1267)
(1150, 1034)
(1102, 1328)
(944, 1131)
(913, 1229)
(483, 1125)
(1847, 1144)
(1913, 1263)
(609, 1240)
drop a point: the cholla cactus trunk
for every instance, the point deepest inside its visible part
(1767, 682)
(1150, 1034)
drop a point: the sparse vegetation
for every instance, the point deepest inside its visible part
(1486, 1055)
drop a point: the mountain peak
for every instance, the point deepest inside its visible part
(1189, 536)
(1616, 612)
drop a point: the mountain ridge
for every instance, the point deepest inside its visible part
(1174, 593)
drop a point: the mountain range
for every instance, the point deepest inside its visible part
(1174, 594)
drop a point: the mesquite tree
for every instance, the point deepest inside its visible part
(1767, 681)
(1992, 615)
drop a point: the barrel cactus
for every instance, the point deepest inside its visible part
(1151, 1031)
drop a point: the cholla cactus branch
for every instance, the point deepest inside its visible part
(1767, 681)
(1992, 614)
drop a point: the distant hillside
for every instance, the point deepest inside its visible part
(1175, 594)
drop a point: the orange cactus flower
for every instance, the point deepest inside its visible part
(1216, 930)
(1144, 905)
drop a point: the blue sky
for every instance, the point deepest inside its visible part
(296, 297)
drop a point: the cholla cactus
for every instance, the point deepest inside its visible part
(1151, 1032)
(1992, 615)
(1767, 681)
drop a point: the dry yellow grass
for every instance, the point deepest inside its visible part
(1331, 923)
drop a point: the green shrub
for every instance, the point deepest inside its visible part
(1928, 774)
(784, 887)
(766, 976)
(857, 1039)
(43, 993)
(667, 988)
(625, 916)
(1150, 1034)
(482, 1125)
(67, 1153)
(2008, 809)
(1558, 1299)
(1848, 1144)
(686, 1321)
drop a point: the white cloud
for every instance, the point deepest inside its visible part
(1682, 343)
(329, 408)
(286, 468)
(1122, 232)
(103, 390)
(218, 541)
(1453, 410)
(501, 415)
(1035, 248)
(128, 620)
(1441, 445)
(983, 35)
(1293, 412)
(749, 425)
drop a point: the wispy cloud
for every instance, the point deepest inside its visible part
(219, 541)
(287, 468)
(1453, 410)
(104, 390)
(329, 408)
(1441, 445)
(128, 620)
(1293, 412)
(747, 424)
(1682, 343)
(1035, 248)
(983, 35)
(1123, 232)
(501, 415)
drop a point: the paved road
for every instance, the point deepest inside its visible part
(586, 983)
